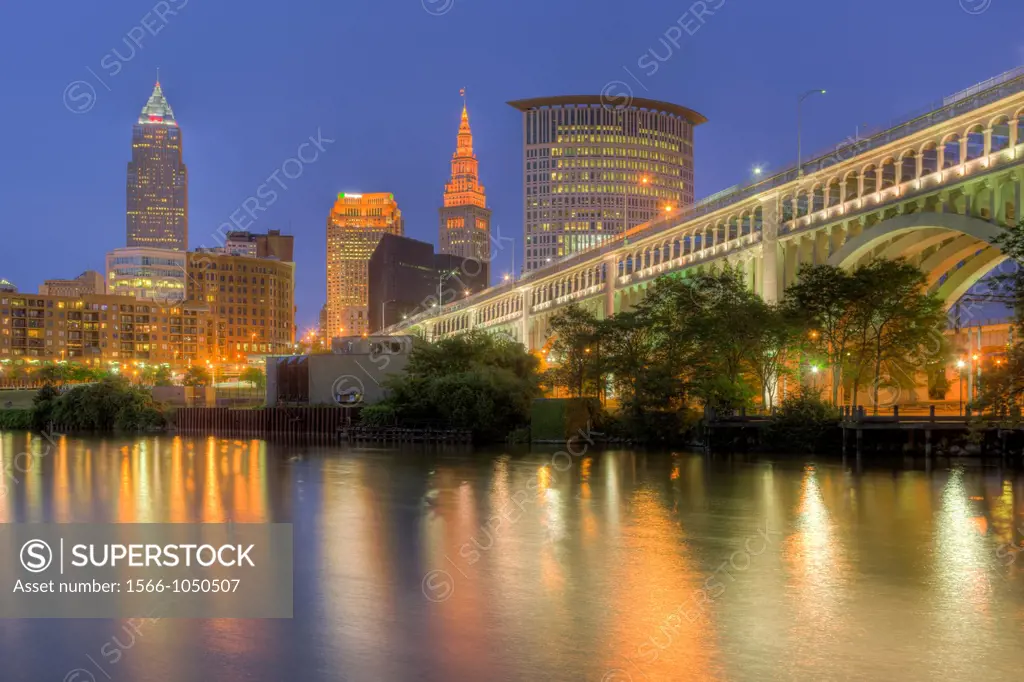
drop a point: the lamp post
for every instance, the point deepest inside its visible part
(960, 371)
(975, 375)
(799, 131)
(441, 279)
(382, 304)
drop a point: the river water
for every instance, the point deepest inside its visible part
(417, 565)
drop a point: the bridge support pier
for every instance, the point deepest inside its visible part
(611, 274)
(769, 276)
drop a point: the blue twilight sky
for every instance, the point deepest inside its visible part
(250, 81)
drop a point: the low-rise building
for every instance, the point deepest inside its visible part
(100, 328)
(147, 274)
(352, 374)
(89, 282)
(251, 303)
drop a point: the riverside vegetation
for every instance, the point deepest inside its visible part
(705, 340)
(109, 404)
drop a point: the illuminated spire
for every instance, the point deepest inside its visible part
(464, 188)
(157, 109)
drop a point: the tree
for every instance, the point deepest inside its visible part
(575, 352)
(196, 376)
(56, 374)
(478, 381)
(162, 376)
(824, 297)
(111, 403)
(778, 337)
(725, 332)
(1011, 243)
(1001, 389)
(899, 318)
(254, 376)
(156, 375)
(81, 373)
(629, 352)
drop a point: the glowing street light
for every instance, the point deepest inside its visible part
(799, 131)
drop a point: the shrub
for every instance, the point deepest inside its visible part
(15, 420)
(800, 424)
(105, 406)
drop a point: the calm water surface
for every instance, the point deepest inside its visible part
(414, 565)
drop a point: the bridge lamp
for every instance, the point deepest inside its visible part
(757, 171)
(799, 128)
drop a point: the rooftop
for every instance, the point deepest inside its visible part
(633, 103)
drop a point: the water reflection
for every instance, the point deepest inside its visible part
(611, 566)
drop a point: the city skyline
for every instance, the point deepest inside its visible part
(241, 127)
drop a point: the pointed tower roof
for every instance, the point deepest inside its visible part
(465, 188)
(157, 109)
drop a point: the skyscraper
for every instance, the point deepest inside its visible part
(354, 227)
(157, 187)
(591, 171)
(465, 220)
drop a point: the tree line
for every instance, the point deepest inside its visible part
(706, 340)
(60, 373)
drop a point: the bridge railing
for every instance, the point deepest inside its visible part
(977, 96)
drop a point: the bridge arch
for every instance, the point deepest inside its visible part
(936, 242)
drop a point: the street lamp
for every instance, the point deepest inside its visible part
(382, 304)
(441, 279)
(960, 367)
(799, 123)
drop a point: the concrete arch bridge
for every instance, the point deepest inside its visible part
(935, 189)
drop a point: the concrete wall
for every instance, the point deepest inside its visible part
(351, 379)
(353, 374)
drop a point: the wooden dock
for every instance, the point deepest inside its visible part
(396, 434)
(916, 430)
